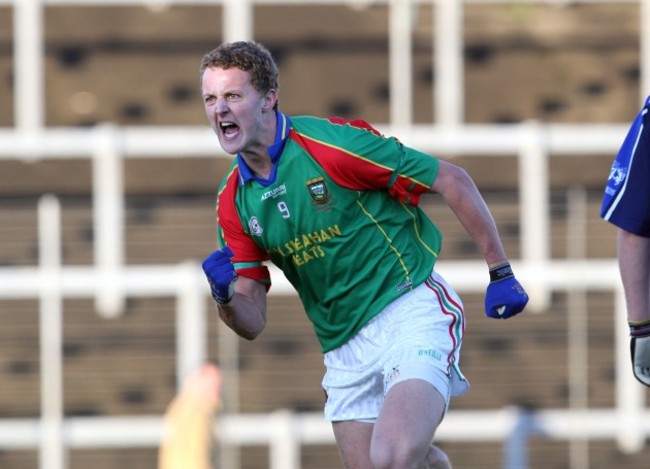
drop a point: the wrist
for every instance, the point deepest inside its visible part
(222, 301)
(219, 296)
(639, 328)
(501, 272)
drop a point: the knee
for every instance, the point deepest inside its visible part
(395, 455)
(437, 459)
(400, 455)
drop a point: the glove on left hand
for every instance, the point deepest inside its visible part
(221, 275)
(640, 351)
(505, 296)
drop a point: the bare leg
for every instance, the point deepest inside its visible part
(436, 459)
(353, 441)
(404, 430)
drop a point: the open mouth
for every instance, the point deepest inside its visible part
(229, 129)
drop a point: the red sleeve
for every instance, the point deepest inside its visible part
(371, 161)
(248, 257)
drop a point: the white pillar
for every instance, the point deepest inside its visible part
(534, 210)
(284, 442)
(237, 20)
(191, 327)
(51, 454)
(401, 63)
(448, 71)
(108, 219)
(28, 58)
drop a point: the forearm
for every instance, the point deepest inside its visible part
(504, 297)
(245, 313)
(634, 265)
(465, 200)
(479, 224)
(241, 301)
(243, 316)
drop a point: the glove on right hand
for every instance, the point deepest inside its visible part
(505, 296)
(640, 351)
(220, 272)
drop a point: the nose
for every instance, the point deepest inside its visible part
(221, 106)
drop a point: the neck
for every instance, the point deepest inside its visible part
(259, 163)
(257, 156)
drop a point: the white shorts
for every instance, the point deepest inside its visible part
(417, 336)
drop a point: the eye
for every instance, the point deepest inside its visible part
(208, 99)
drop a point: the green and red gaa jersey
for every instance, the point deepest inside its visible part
(339, 216)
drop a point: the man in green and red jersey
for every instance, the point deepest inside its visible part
(334, 205)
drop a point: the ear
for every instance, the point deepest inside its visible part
(270, 99)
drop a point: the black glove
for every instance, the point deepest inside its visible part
(640, 350)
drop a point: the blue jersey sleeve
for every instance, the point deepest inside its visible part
(626, 200)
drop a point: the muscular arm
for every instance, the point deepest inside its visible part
(634, 264)
(246, 312)
(461, 194)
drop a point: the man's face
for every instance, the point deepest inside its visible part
(236, 111)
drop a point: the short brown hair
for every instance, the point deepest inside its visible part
(248, 56)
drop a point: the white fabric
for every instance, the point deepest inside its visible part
(412, 338)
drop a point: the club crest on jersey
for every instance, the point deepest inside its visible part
(254, 227)
(318, 190)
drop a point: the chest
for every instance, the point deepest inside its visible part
(303, 205)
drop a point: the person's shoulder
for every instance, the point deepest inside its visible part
(314, 127)
(305, 122)
(332, 124)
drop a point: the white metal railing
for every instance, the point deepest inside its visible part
(52, 282)
(109, 281)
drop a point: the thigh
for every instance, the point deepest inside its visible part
(353, 441)
(408, 420)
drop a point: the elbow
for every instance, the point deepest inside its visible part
(250, 334)
(451, 179)
(461, 177)
(247, 329)
(252, 330)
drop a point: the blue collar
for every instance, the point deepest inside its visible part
(281, 133)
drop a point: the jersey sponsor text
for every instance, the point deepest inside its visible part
(308, 246)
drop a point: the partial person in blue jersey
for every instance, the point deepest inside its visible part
(626, 204)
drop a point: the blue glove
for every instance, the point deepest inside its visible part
(220, 272)
(505, 297)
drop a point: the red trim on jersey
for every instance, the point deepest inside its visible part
(356, 172)
(245, 250)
